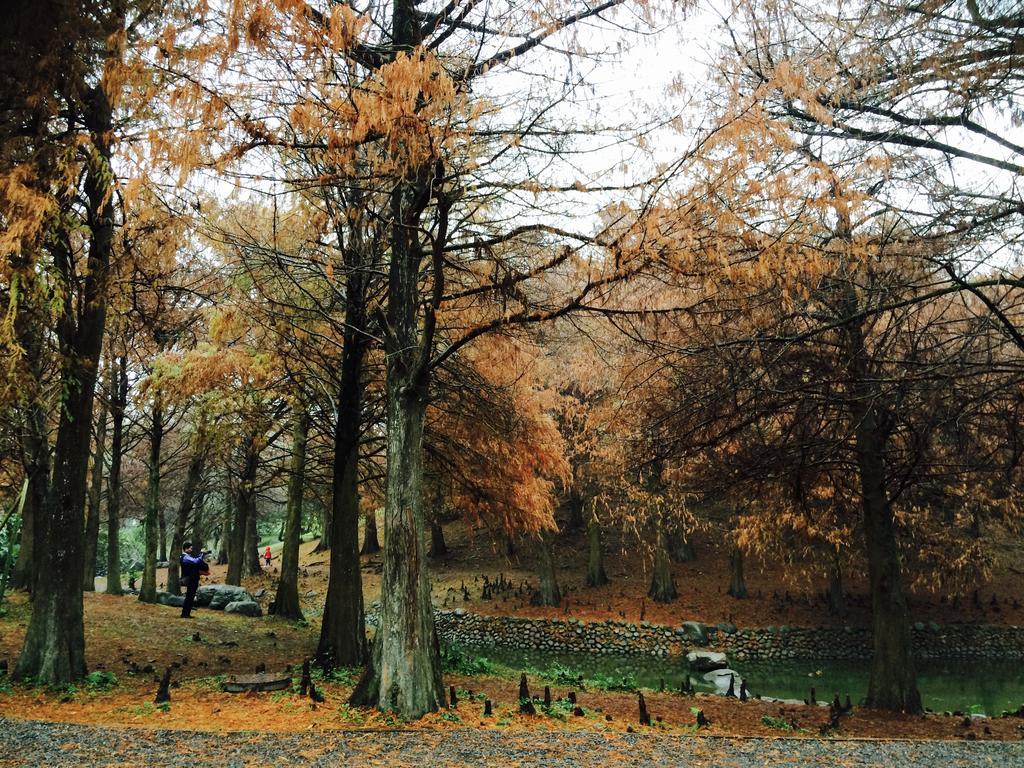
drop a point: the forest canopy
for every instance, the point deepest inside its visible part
(285, 263)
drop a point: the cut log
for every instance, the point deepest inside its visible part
(261, 681)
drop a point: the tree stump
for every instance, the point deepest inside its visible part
(547, 696)
(645, 716)
(306, 680)
(488, 708)
(163, 693)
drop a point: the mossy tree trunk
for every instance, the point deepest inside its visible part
(893, 678)
(119, 399)
(405, 668)
(343, 630)
(663, 583)
(737, 582)
(92, 519)
(547, 592)
(371, 544)
(836, 598)
(54, 649)
(253, 566)
(29, 329)
(286, 601)
(147, 590)
(596, 576)
(242, 505)
(193, 479)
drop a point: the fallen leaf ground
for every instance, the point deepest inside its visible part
(136, 642)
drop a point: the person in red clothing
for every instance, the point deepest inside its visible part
(266, 556)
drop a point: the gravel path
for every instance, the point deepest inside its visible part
(32, 744)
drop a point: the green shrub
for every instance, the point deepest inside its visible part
(100, 681)
(459, 661)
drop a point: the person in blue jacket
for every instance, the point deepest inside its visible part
(191, 567)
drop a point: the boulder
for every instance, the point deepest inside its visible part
(706, 661)
(259, 593)
(720, 678)
(728, 627)
(166, 598)
(696, 632)
(216, 596)
(244, 607)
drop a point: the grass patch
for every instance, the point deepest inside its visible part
(457, 660)
(100, 681)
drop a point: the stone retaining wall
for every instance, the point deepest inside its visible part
(931, 641)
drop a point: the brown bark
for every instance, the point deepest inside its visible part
(286, 601)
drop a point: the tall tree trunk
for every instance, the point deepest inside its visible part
(188, 496)
(547, 592)
(161, 539)
(147, 591)
(404, 674)
(343, 631)
(286, 601)
(92, 520)
(242, 506)
(252, 540)
(596, 576)
(371, 544)
(575, 507)
(893, 679)
(224, 536)
(737, 584)
(29, 329)
(438, 546)
(326, 516)
(54, 648)
(836, 599)
(663, 583)
(681, 549)
(118, 401)
(198, 535)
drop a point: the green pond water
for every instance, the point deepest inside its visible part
(982, 687)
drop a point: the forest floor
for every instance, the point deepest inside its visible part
(136, 642)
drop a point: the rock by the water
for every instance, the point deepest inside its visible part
(244, 607)
(166, 598)
(217, 596)
(696, 632)
(728, 627)
(706, 661)
(721, 678)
